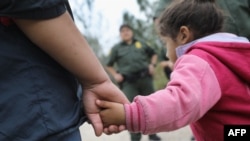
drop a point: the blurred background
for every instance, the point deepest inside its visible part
(99, 22)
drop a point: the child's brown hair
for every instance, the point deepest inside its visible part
(202, 17)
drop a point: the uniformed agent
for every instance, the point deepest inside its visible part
(164, 62)
(132, 63)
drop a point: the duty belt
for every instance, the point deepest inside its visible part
(137, 75)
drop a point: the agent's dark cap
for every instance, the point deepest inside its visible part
(125, 26)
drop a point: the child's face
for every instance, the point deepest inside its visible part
(171, 45)
(184, 36)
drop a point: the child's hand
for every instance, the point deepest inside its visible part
(104, 91)
(112, 113)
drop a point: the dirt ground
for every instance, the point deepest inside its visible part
(87, 134)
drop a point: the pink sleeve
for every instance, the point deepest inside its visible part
(192, 91)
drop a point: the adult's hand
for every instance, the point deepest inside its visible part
(118, 77)
(151, 69)
(103, 91)
(168, 63)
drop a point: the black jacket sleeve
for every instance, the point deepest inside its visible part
(32, 9)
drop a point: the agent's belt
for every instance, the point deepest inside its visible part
(137, 75)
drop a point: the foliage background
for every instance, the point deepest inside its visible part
(143, 29)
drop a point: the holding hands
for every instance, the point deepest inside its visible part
(102, 113)
(111, 114)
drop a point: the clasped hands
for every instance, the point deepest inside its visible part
(103, 104)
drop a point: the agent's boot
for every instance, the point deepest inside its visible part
(154, 137)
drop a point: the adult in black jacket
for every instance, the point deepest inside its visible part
(43, 59)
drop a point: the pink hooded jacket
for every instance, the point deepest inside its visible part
(209, 88)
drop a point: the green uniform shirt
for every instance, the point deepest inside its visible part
(237, 16)
(130, 58)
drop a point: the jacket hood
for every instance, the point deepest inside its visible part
(232, 51)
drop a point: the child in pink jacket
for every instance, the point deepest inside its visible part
(209, 85)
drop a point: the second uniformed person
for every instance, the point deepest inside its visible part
(135, 62)
(165, 63)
